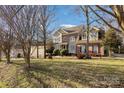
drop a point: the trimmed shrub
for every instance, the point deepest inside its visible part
(80, 56)
(50, 50)
(56, 52)
(64, 52)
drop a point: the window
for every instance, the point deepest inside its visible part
(57, 39)
(57, 46)
(95, 49)
(83, 48)
(72, 38)
(93, 35)
(84, 36)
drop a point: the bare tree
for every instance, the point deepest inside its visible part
(6, 34)
(90, 20)
(46, 17)
(23, 25)
(0, 50)
(26, 23)
(0, 55)
(7, 42)
(37, 45)
(86, 13)
(113, 11)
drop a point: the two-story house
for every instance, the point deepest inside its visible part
(74, 39)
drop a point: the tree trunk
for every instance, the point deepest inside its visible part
(37, 51)
(44, 44)
(26, 53)
(0, 55)
(87, 30)
(44, 51)
(27, 60)
(110, 53)
(37, 46)
(87, 45)
(8, 57)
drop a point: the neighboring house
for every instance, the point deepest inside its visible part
(34, 51)
(74, 39)
(18, 50)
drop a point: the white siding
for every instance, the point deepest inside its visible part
(57, 39)
(34, 51)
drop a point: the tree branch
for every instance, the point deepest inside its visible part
(104, 10)
(105, 20)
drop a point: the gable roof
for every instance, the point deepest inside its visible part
(75, 29)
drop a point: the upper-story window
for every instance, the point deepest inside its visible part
(84, 36)
(57, 39)
(94, 35)
(72, 38)
(95, 49)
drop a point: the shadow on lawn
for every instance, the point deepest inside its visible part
(74, 75)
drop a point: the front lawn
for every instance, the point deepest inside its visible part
(63, 72)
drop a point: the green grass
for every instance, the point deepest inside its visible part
(63, 72)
